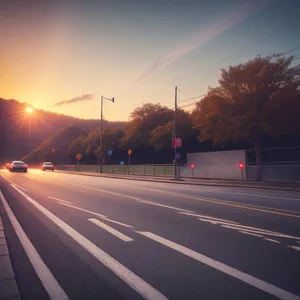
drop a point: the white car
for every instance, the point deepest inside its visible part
(48, 166)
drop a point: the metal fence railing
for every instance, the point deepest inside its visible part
(233, 172)
(275, 172)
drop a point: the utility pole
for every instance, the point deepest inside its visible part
(175, 135)
(101, 142)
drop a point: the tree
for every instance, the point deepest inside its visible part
(144, 119)
(254, 99)
(161, 136)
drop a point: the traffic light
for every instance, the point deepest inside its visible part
(53, 150)
(192, 166)
(241, 165)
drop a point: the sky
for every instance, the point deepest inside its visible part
(62, 55)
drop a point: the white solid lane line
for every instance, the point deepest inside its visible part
(271, 240)
(295, 247)
(129, 197)
(207, 217)
(111, 230)
(49, 282)
(117, 222)
(263, 231)
(249, 233)
(249, 279)
(60, 200)
(82, 209)
(19, 187)
(96, 214)
(134, 281)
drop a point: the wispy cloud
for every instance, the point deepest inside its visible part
(229, 20)
(82, 98)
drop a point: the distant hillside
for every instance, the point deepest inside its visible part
(21, 132)
(56, 147)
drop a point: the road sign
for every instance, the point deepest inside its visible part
(109, 152)
(79, 156)
(178, 155)
(129, 151)
(121, 162)
(176, 142)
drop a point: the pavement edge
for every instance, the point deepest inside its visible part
(8, 284)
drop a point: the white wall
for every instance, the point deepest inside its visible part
(219, 164)
(217, 158)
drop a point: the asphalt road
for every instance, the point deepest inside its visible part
(103, 238)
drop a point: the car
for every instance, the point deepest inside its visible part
(18, 165)
(48, 166)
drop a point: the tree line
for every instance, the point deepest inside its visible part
(255, 104)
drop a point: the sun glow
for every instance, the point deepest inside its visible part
(29, 110)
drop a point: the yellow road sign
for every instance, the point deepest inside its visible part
(79, 156)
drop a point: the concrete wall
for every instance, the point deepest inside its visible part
(218, 158)
(219, 164)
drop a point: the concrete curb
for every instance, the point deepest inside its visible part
(8, 285)
(188, 183)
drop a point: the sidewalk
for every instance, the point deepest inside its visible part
(8, 285)
(286, 186)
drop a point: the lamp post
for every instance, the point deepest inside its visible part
(102, 140)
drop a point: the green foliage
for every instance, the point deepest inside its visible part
(144, 120)
(258, 98)
(161, 136)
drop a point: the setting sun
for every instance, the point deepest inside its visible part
(29, 110)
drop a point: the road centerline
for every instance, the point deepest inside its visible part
(227, 203)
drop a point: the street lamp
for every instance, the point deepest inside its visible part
(102, 141)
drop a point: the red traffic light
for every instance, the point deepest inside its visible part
(192, 166)
(53, 150)
(241, 165)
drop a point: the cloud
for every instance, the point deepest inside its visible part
(82, 98)
(200, 38)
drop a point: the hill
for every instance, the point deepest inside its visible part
(56, 147)
(22, 132)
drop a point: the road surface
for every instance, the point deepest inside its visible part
(78, 237)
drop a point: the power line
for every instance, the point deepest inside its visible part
(183, 92)
(193, 98)
(187, 105)
(292, 50)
